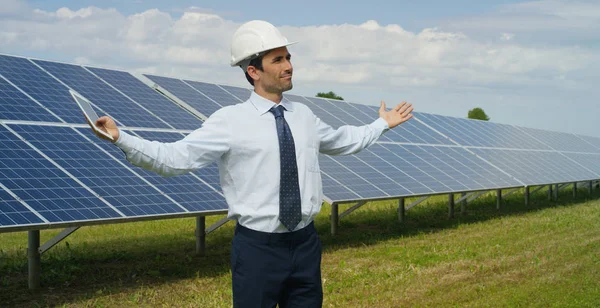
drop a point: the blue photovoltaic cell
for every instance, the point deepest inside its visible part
(42, 87)
(242, 93)
(371, 175)
(111, 180)
(150, 99)
(413, 166)
(213, 91)
(468, 132)
(474, 168)
(589, 161)
(102, 95)
(44, 187)
(332, 120)
(442, 172)
(14, 105)
(392, 167)
(334, 191)
(335, 111)
(186, 93)
(13, 213)
(536, 167)
(185, 189)
(559, 141)
(349, 179)
(594, 141)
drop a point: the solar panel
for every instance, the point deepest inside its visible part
(595, 142)
(559, 141)
(410, 165)
(327, 117)
(42, 87)
(215, 93)
(110, 179)
(330, 108)
(13, 212)
(385, 185)
(242, 94)
(186, 93)
(481, 133)
(102, 95)
(150, 99)
(43, 186)
(536, 167)
(336, 191)
(358, 185)
(589, 161)
(15, 105)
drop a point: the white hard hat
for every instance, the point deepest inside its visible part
(254, 37)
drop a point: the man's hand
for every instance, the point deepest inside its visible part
(108, 125)
(397, 115)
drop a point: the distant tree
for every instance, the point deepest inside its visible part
(478, 114)
(330, 94)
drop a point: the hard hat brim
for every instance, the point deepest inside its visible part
(250, 56)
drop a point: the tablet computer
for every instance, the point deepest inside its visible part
(89, 112)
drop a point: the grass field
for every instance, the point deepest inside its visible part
(546, 254)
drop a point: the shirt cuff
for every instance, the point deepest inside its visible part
(380, 125)
(125, 141)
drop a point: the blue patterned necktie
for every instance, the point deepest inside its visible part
(290, 212)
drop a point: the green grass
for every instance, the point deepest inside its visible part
(546, 254)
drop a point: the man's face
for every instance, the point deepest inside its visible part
(276, 76)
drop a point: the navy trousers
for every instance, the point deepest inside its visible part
(270, 269)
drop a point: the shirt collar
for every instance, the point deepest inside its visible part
(263, 105)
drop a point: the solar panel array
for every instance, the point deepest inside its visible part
(55, 172)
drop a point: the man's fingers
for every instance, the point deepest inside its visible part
(397, 108)
(404, 108)
(407, 111)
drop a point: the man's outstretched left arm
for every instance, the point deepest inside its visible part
(351, 139)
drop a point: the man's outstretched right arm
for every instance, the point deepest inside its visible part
(198, 149)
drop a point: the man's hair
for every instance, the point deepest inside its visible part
(256, 62)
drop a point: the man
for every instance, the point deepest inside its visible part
(267, 150)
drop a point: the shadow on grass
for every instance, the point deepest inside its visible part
(123, 265)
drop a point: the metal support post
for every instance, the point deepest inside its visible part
(334, 218)
(200, 235)
(401, 210)
(550, 192)
(463, 204)
(450, 205)
(526, 195)
(556, 191)
(574, 189)
(34, 256)
(590, 187)
(498, 198)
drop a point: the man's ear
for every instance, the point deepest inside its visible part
(253, 72)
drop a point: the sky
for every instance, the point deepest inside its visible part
(527, 63)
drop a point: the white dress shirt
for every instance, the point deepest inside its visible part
(243, 140)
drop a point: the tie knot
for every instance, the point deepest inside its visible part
(277, 111)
